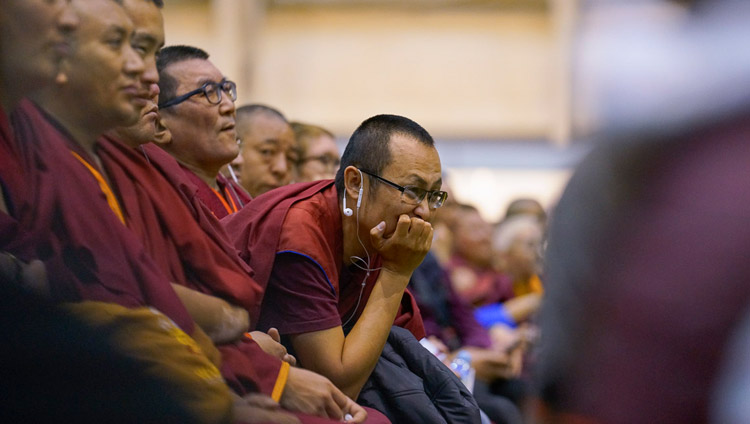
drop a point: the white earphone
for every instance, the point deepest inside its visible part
(349, 211)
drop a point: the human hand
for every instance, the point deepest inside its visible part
(353, 412)
(405, 249)
(271, 344)
(491, 365)
(504, 338)
(314, 394)
(259, 408)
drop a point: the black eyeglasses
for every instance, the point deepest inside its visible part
(212, 91)
(415, 195)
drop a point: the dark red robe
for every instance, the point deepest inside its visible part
(261, 231)
(91, 255)
(201, 260)
(227, 200)
(11, 176)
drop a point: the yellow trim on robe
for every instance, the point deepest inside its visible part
(278, 388)
(108, 193)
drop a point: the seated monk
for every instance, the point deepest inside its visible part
(336, 257)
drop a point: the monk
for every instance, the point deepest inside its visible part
(26, 64)
(336, 257)
(200, 113)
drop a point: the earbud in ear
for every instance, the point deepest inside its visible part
(347, 211)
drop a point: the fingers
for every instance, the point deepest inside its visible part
(377, 232)
(274, 333)
(358, 413)
(340, 403)
(290, 359)
(333, 410)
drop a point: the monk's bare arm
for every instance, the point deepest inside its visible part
(349, 361)
(222, 321)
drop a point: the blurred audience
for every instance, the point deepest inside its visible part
(526, 206)
(517, 253)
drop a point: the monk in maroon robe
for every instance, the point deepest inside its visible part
(336, 278)
(201, 118)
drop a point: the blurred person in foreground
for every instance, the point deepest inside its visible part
(317, 154)
(647, 277)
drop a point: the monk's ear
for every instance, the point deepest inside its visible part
(352, 181)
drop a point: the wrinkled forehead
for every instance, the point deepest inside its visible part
(413, 162)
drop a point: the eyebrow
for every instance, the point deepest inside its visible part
(419, 181)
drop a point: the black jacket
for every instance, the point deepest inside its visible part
(410, 385)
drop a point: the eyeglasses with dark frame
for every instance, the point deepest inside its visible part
(212, 90)
(415, 195)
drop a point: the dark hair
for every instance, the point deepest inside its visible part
(168, 56)
(247, 110)
(369, 146)
(158, 3)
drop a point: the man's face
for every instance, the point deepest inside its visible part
(413, 163)
(146, 129)
(267, 153)
(321, 160)
(524, 254)
(472, 237)
(35, 36)
(203, 134)
(105, 71)
(147, 39)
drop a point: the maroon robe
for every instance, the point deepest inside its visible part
(201, 260)
(85, 247)
(231, 196)
(261, 230)
(11, 175)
